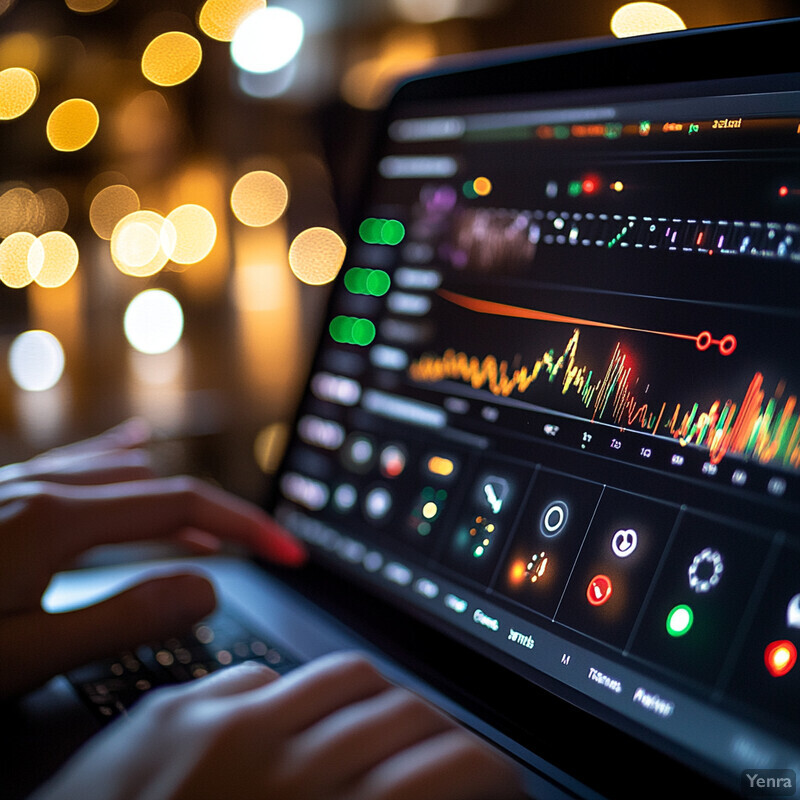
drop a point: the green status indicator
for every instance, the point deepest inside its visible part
(381, 231)
(679, 620)
(575, 188)
(361, 280)
(352, 330)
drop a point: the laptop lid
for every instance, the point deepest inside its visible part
(552, 423)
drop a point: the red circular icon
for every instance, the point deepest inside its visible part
(599, 590)
(780, 657)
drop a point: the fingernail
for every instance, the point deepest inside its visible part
(285, 549)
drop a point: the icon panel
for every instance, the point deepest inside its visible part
(548, 537)
(612, 574)
(766, 675)
(706, 580)
(487, 515)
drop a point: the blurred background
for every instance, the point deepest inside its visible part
(177, 184)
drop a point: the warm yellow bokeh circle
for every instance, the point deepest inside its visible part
(72, 125)
(171, 58)
(19, 89)
(259, 198)
(219, 19)
(316, 256)
(641, 18)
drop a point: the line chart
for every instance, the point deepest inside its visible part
(703, 340)
(756, 424)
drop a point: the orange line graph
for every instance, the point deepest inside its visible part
(703, 340)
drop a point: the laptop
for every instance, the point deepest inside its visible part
(546, 463)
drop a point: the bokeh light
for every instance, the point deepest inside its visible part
(425, 11)
(23, 210)
(153, 321)
(36, 361)
(316, 256)
(219, 19)
(20, 259)
(171, 58)
(267, 40)
(89, 6)
(195, 233)
(109, 206)
(142, 243)
(72, 125)
(19, 89)
(18, 210)
(259, 198)
(59, 259)
(638, 19)
(55, 209)
(367, 82)
(22, 49)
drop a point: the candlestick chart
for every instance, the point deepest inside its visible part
(755, 421)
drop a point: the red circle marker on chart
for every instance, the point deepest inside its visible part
(599, 590)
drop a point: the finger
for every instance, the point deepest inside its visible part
(134, 432)
(113, 466)
(225, 683)
(46, 644)
(348, 743)
(124, 512)
(315, 690)
(453, 765)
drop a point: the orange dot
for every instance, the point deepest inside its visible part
(482, 186)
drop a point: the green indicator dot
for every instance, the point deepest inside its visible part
(478, 551)
(679, 620)
(392, 232)
(355, 280)
(574, 188)
(377, 283)
(468, 190)
(363, 332)
(424, 528)
(370, 230)
(341, 329)
(561, 132)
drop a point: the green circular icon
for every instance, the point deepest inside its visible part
(680, 620)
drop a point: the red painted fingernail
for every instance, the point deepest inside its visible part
(286, 550)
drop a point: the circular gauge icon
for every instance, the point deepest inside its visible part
(554, 518)
(705, 571)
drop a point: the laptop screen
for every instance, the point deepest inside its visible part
(555, 404)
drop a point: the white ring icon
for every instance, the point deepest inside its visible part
(714, 559)
(554, 518)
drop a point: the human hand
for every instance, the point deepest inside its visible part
(102, 491)
(334, 729)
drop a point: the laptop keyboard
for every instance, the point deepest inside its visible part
(113, 686)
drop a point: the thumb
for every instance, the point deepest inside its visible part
(46, 644)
